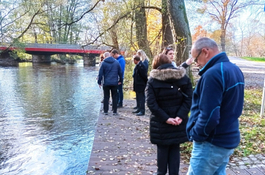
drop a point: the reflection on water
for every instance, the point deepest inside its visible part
(47, 118)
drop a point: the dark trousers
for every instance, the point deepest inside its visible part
(120, 95)
(107, 90)
(140, 101)
(168, 156)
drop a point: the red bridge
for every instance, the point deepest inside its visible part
(50, 49)
(42, 52)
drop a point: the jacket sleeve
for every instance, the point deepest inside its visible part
(184, 64)
(122, 64)
(100, 74)
(211, 94)
(152, 104)
(186, 91)
(120, 74)
(142, 72)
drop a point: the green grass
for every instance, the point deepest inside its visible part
(258, 59)
(252, 128)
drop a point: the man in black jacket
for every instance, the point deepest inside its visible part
(111, 74)
(139, 83)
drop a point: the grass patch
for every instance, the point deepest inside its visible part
(252, 128)
(257, 59)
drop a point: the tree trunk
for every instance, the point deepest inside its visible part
(141, 28)
(223, 31)
(114, 38)
(167, 37)
(181, 30)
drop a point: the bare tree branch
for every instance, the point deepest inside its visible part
(158, 35)
(153, 7)
(30, 23)
(94, 6)
(102, 33)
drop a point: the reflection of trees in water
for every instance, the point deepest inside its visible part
(55, 108)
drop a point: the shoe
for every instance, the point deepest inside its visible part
(102, 101)
(105, 113)
(115, 113)
(139, 114)
(136, 111)
(135, 107)
(119, 106)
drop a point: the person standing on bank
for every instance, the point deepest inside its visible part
(217, 103)
(144, 58)
(110, 71)
(139, 84)
(115, 54)
(169, 51)
(145, 61)
(168, 96)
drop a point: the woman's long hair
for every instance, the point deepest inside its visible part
(142, 55)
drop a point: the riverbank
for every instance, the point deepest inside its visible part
(122, 146)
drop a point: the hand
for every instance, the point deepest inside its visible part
(99, 86)
(178, 120)
(119, 83)
(171, 121)
(189, 61)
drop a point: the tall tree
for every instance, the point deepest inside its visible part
(180, 26)
(141, 27)
(223, 11)
(167, 37)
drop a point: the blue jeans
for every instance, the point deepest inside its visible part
(208, 159)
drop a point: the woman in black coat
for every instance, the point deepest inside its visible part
(168, 96)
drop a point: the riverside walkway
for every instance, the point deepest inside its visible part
(122, 147)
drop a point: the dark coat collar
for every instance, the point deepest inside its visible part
(167, 72)
(221, 57)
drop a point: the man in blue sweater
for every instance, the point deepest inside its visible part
(115, 54)
(217, 104)
(111, 74)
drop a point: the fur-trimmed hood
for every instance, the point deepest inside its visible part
(168, 73)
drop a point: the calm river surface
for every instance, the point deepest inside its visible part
(48, 115)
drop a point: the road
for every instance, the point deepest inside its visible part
(254, 72)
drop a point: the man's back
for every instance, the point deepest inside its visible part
(111, 71)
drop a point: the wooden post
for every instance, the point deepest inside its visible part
(263, 101)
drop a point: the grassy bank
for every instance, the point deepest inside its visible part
(258, 59)
(252, 128)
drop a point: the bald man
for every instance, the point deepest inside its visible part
(217, 104)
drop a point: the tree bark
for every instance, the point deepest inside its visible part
(141, 28)
(180, 25)
(167, 37)
(114, 38)
(223, 32)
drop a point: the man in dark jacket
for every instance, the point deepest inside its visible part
(217, 103)
(139, 83)
(111, 74)
(115, 54)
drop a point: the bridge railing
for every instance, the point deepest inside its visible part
(60, 46)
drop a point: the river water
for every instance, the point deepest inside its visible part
(48, 115)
